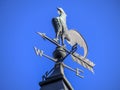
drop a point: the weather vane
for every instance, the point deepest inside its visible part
(56, 74)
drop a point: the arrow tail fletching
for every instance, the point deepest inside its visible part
(83, 61)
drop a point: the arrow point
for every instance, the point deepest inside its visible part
(39, 33)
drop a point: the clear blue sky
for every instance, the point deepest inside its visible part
(97, 20)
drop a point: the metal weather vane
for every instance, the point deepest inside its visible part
(61, 52)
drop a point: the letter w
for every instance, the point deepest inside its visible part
(38, 52)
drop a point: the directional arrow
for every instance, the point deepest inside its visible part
(76, 57)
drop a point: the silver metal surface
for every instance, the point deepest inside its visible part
(40, 53)
(55, 78)
(75, 56)
(74, 38)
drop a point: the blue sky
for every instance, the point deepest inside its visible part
(97, 20)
